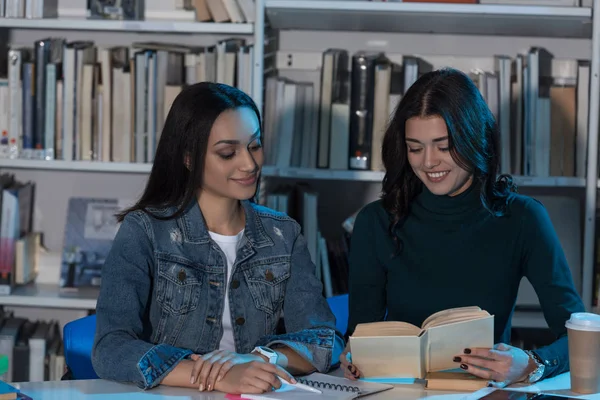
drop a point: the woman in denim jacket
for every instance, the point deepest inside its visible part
(199, 275)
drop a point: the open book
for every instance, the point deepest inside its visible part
(400, 349)
(332, 388)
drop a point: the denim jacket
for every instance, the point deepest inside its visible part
(163, 288)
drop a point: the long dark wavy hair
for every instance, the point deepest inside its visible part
(185, 134)
(472, 136)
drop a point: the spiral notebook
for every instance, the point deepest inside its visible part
(332, 387)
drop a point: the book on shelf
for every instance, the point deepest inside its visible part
(90, 229)
(73, 100)
(33, 349)
(537, 100)
(122, 10)
(400, 349)
(19, 245)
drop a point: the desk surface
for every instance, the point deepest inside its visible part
(101, 389)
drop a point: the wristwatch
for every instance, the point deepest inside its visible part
(271, 355)
(538, 372)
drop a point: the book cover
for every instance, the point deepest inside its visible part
(90, 229)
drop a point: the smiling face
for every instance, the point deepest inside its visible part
(430, 159)
(234, 156)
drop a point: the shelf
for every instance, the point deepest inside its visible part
(86, 166)
(442, 18)
(131, 26)
(551, 181)
(267, 171)
(50, 296)
(323, 174)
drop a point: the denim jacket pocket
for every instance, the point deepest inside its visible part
(267, 280)
(178, 284)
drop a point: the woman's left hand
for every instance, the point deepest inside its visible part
(502, 365)
(212, 367)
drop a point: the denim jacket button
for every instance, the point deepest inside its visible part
(240, 320)
(269, 276)
(181, 276)
(235, 284)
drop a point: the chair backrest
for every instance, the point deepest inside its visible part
(78, 338)
(339, 308)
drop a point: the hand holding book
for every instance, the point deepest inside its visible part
(501, 365)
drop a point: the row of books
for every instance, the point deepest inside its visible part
(337, 120)
(34, 349)
(237, 11)
(77, 101)
(19, 245)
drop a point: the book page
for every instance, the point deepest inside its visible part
(455, 317)
(386, 328)
(451, 311)
(446, 341)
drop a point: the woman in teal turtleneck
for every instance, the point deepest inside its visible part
(447, 233)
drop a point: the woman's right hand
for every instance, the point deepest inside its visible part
(350, 370)
(253, 378)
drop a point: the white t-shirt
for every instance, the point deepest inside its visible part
(229, 245)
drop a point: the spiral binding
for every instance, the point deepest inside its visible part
(331, 386)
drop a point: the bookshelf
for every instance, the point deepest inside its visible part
(317, 25)
(307, 28)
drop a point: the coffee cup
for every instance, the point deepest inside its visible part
(584, 352)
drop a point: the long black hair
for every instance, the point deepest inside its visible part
(185, 135)
(472, 136)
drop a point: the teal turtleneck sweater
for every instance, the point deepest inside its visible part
(455, 253)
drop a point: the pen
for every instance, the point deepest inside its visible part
(301, 386)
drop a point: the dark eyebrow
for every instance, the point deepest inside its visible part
(235, 142)
(440, 139)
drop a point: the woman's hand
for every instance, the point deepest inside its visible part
(502, 365)
(213, 366)
(253, 377)
(350, 370)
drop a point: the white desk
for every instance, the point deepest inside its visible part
(100, 390)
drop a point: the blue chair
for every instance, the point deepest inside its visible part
(78, 339)
(339, 308)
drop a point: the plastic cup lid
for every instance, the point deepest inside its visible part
(584, 322)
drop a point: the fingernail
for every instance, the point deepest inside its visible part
(456, 359)
(463, 366)
(201, 388)
(467, 351)
(294, 381)
(490, 385)
(192, 380)
(350, 368)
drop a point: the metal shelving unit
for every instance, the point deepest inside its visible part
(472, 19)
(455, 19)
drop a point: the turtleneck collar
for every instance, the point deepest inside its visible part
(467, 201)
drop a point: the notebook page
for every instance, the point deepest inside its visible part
(333, 388)
(364, 388)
